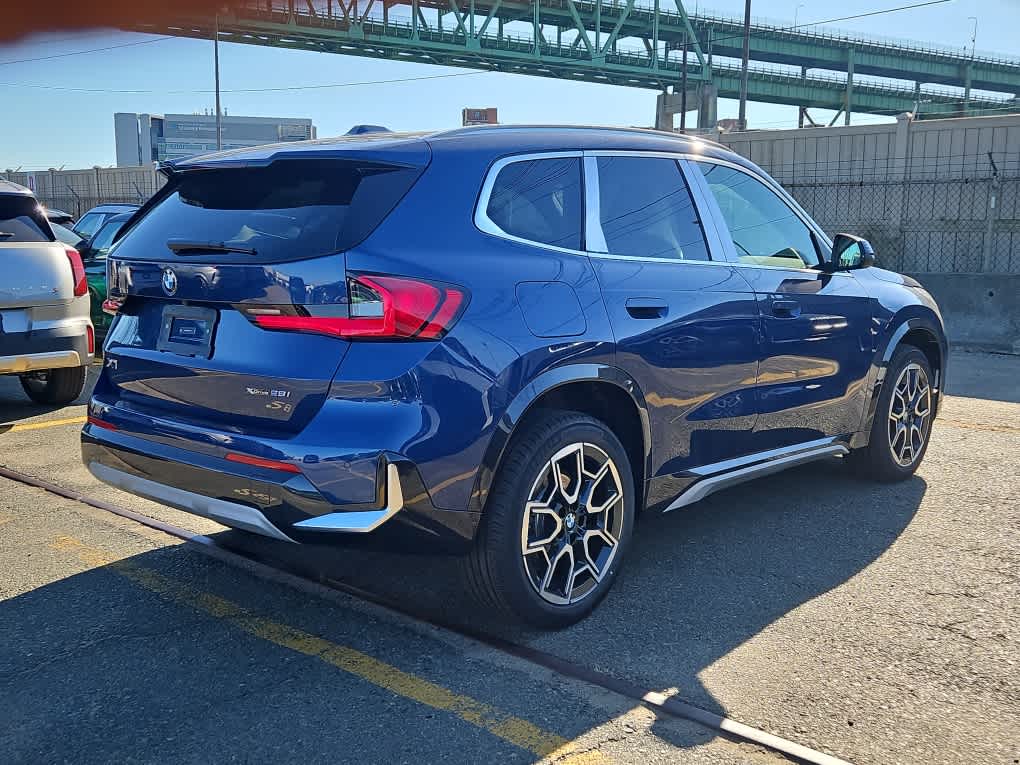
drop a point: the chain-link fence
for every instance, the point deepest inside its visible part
(77, 191)
(933, 196)
(960, 217)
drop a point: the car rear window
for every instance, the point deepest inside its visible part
(290, 210)
(539, 200)
(22, 220)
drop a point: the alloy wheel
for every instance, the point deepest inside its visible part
(909, 415)
(572, 523)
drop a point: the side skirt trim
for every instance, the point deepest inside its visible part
(732, 472)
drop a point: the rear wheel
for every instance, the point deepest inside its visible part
(903, 419)
(55, 387)
(557, 522)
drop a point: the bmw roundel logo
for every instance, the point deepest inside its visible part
(169, 281)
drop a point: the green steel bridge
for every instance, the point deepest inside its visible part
(621, 42)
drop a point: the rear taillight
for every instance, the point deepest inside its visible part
(383, 308)
(81, 285)
(112, 305)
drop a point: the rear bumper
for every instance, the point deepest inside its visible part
(51, 348)
(283, 506)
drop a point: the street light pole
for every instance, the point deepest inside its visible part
(742, 117)
(216, 66)
(796, 11)
(973, 36)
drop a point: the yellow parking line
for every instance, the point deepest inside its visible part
(511, 729)
(43, 424)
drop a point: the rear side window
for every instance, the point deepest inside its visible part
(21, 220)
(290, 210)
(539, 200)
(646, 210)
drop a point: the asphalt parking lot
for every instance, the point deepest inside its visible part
(875, 623)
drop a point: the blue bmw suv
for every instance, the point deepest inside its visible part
(502, 341)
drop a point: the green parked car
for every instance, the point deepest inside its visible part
(93, 254)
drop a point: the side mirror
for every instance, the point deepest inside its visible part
(850, 252)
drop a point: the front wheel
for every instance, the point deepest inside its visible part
(55, 387)
(903, 419)
(557, 523)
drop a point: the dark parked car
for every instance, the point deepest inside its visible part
(506, 341)
(58, 216)
(94, 219)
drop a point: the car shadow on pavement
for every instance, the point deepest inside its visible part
(15, 405)
(697, 583)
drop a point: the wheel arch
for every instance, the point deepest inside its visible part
(921, 331)
(604, 392)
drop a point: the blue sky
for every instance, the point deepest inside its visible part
(41, 128)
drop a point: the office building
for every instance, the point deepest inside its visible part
(145, 138)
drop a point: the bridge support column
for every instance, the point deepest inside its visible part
(703, 97)
(849, 84)
(708, 101)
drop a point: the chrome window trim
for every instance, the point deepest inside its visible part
(487, 226)
(593, 234)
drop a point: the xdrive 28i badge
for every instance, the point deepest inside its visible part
(169, 281)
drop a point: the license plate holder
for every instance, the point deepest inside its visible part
(187, 330)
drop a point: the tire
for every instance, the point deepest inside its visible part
(528, 505)
(889, 456)
(55, 387)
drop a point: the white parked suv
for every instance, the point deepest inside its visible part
(46, 336)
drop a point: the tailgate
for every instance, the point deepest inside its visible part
(34, 273)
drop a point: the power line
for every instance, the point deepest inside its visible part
(881, 12)
(283, 88)
(90, 50)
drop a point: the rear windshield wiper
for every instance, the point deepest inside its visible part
(187, 245)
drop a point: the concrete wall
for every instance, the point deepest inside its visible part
(980, 311)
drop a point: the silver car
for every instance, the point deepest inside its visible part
(46, 336)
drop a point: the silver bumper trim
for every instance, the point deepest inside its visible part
(361, 521)
(228, 513)
(37, 362)
(764, 463)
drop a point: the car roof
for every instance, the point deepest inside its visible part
(16, 189)
(493, 139)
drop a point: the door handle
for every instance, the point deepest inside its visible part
(647, 308)
(785, 309)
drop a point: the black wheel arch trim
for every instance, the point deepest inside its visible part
(897, 329)
(523, 403)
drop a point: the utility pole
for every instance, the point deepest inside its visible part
(742, 118)
(216, 66)
(683, 94)
(973, 37)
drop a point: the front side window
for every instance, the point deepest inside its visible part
(646, 209)
(21, 220)
(89, 224)
(765, 231)
(539, 200)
